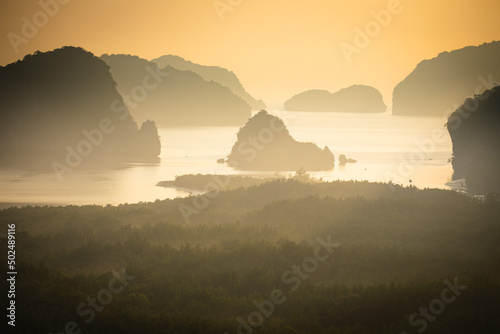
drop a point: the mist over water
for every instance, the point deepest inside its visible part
(381, 143)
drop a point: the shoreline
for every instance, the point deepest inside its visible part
(199, 182)
(171, 184)
(8, 205)
(456, 185)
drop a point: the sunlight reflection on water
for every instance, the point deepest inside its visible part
(379, 142)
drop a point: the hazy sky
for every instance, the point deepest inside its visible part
(276, 47)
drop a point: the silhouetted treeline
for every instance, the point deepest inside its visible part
(193, 300)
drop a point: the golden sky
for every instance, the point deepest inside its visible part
(277, 48)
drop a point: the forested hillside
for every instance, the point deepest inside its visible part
(280, 257)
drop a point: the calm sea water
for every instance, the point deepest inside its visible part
(385, 146)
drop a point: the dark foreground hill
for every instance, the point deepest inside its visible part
(62, 107)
